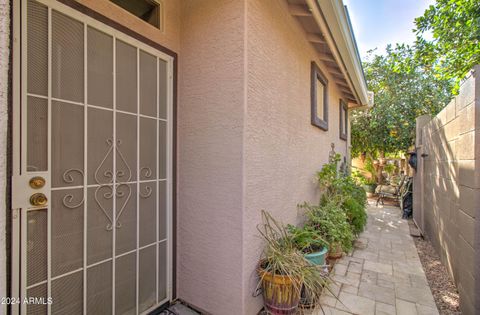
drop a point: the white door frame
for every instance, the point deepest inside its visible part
(19, 176)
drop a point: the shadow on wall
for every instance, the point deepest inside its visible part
(451, 186)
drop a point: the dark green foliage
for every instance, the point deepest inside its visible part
(404, 89)
(353, 202)
(330, 221)
(343, 191)
(356, 215)
(328, 178)
(455, 46)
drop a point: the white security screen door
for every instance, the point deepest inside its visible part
(93, 181)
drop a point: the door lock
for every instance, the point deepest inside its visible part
(37, 182)
(38, 200)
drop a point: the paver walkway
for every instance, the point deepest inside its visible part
(383, 275)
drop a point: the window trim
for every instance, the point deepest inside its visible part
(317, 75)
(343, 110)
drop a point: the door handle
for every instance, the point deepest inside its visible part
(38, 200)
(37, 182)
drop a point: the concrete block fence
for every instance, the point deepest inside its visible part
(447, 187)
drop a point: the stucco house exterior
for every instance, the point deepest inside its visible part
(139, 141)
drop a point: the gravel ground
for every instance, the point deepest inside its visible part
(443, 289)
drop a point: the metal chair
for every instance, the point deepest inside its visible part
(395, 194)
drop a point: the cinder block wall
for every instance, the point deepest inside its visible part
(450, 180)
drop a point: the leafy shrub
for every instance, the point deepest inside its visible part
(356, 214)
(328, 177)
(359, 178)
(348, 188)
(330, 220)
(346, 193)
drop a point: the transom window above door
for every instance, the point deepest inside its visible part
(149, 11)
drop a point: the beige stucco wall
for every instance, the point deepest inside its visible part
(282, 149)
(4, 65)
(449, 181)
(210, 155)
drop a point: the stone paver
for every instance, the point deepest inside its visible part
(355, 304)
(383, 275)
(384, 309)
(405, 308)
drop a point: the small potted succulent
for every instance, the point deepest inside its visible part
(284, 271)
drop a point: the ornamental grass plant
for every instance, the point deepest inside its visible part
(282, 257)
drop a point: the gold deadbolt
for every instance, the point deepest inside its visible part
(37, 182)
(38, 200)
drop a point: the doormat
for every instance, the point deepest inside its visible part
(179, 309)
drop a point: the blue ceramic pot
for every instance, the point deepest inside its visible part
(317, 258)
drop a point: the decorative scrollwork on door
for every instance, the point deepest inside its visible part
(69, 199)
(146, 172)
(114, 182)
(146, 192)
(109, 184)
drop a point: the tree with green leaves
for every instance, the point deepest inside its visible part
(455, 47)
(404, 89)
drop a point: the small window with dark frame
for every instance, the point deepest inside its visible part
(147, 10)
(343, 117)
(319, 98)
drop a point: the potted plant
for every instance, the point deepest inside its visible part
(284, 271)
(330, 220)
(310, 242)
(370, 185)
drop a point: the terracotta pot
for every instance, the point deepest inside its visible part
(280, 295)
(336, 251)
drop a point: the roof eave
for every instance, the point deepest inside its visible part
(336, 17)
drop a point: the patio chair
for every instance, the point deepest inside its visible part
(390, 191)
